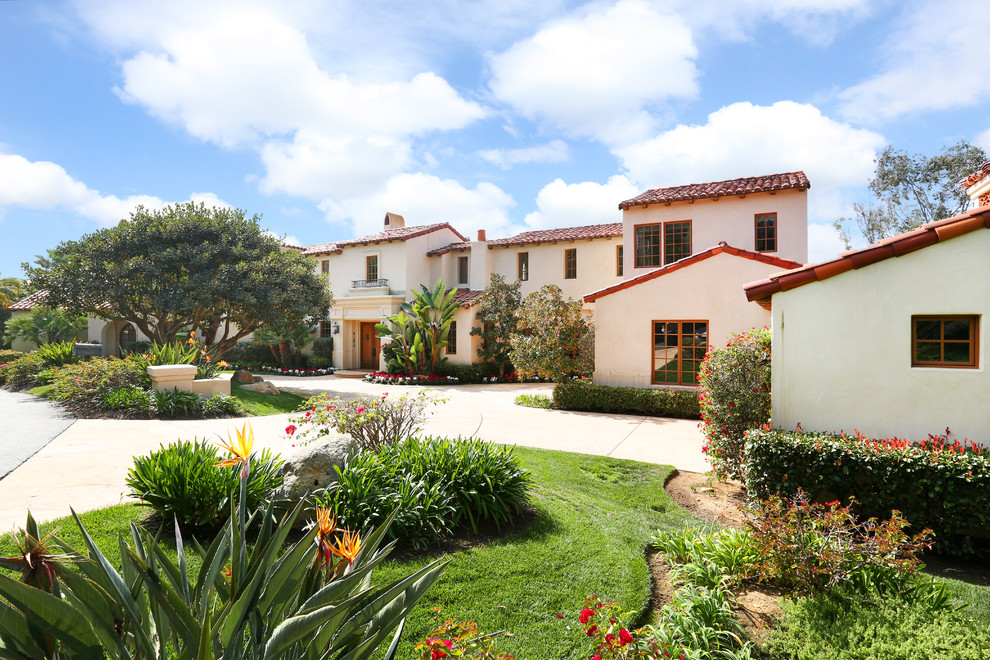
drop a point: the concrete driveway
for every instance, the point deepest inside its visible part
(86, 466)
(27, 424)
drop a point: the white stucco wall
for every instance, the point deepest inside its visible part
(730, 219)
(842, 347)
(708, 290)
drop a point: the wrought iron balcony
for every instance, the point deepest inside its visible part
(368, 284)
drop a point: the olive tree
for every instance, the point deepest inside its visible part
(185, 267)
(554, 338)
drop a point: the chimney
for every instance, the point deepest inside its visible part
(481, 235)
(394, 221)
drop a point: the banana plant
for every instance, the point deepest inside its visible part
(311, 600)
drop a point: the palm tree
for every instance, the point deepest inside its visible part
(12, 289)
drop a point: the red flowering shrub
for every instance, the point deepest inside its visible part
(734, 395)
(606, 624)
(462, 640)
(90, 378)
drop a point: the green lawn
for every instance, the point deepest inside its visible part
(258, 404)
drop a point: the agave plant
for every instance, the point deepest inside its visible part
(312, 600)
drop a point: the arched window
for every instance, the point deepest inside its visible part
(127, 336)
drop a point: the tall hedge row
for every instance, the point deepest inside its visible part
(936, 484)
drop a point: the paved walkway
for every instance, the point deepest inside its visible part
(86, 466)
(27, 424)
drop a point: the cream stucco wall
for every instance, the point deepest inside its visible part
(842, 347)
(730, 219)
(710, 290)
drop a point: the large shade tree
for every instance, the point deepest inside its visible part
(185, 267)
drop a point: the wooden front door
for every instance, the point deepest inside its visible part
(370, 345)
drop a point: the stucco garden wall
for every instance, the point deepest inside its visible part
(842, 347)
(709, 290)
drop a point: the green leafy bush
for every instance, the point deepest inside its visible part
(222, 405)
(934, 484)
(534, 401)
(246, 352)
(734, 395)
(46, 376)
(8, 355)
(315, 362)
(437, 484)
(21, 372)
(323, 348)
(178, 403)
(131, 397)
(88, 379)
(577, 395)
(57, 354)
(182, 479)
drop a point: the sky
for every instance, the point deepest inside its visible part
(508, 115)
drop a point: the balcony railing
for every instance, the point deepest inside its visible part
(368, 284)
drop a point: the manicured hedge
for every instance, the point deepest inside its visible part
(935, 484)
(575, 395)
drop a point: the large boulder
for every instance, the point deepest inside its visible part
(310, 468)
(242, 376)
(264, 387)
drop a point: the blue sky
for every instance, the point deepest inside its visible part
(507, 115)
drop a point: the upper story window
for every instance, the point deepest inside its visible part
(371, 267)
(570, 264)
(945, 341)
(325, 266)
(523, 266)
(676, 241)
(766, 232)
(462, 270)
(648, 246)
(618, 260)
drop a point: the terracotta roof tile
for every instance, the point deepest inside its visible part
(895, 246)
(467, 297)
(586, 232)
(746, 186)
(27, 304)
(449, 247)
(976, 176)
(721, 248)
(386, 236)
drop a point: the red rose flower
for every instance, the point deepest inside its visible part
(586, 615)
(625, 637)
(592, 630)
(290, 429)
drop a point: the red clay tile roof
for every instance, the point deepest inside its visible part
(449, 247)
(29, 303)
(896, 246)
(466, 297)
(749, 185)
(586, 232)
(397, 234)
(976, 176)
(689, 261)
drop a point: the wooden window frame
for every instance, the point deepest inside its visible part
(368, 261)
(618, 261)
(325, 267)
(522, 266)
(570, 269)
(452, 339)
(770, 242)
(326, 329)
(666, 253)
(640, 260)
(973, 342)
(680, 343)
(463, 270)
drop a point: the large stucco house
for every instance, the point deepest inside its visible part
(889, 340)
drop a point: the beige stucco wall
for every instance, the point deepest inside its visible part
(729, 219)
(97, 330)
(467, 346)
(708, 290)
(842, 347)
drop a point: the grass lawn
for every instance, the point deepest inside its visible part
(258, 404)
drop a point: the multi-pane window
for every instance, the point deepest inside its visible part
(570, 264)
(452, 338)
(326, 329)
(648, 246)
(618, 260)
(371, 269)
(522, 261)
(462, 270)
(766, 232)
(678, 348)
(325, 266)
(676, 241)
(945, 341)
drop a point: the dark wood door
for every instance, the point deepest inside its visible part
(370, 345)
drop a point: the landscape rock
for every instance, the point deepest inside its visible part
(264, 387)
(242, 376)
(310, 468)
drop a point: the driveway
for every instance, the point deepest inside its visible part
(86, 466)
(27, 424)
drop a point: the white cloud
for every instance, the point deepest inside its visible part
(599, 72)
(423, 199)
(983, 140)
(46, 186)
(555, 151)
(572, 204)
(743, 139)
(816, 21)
(932, 62)
(824, 243)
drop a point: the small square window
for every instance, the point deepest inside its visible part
(945, 341)
(570, 264)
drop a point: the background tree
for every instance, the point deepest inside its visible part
(554, 339)
(185, 267)
(498, 310)
(44, 325)
(287, 342)
(911, 190)
(12, 289)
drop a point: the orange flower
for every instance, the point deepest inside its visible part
(326, 525)
(241, 449)
(348, 547)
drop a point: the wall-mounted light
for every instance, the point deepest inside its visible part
(336, 327)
